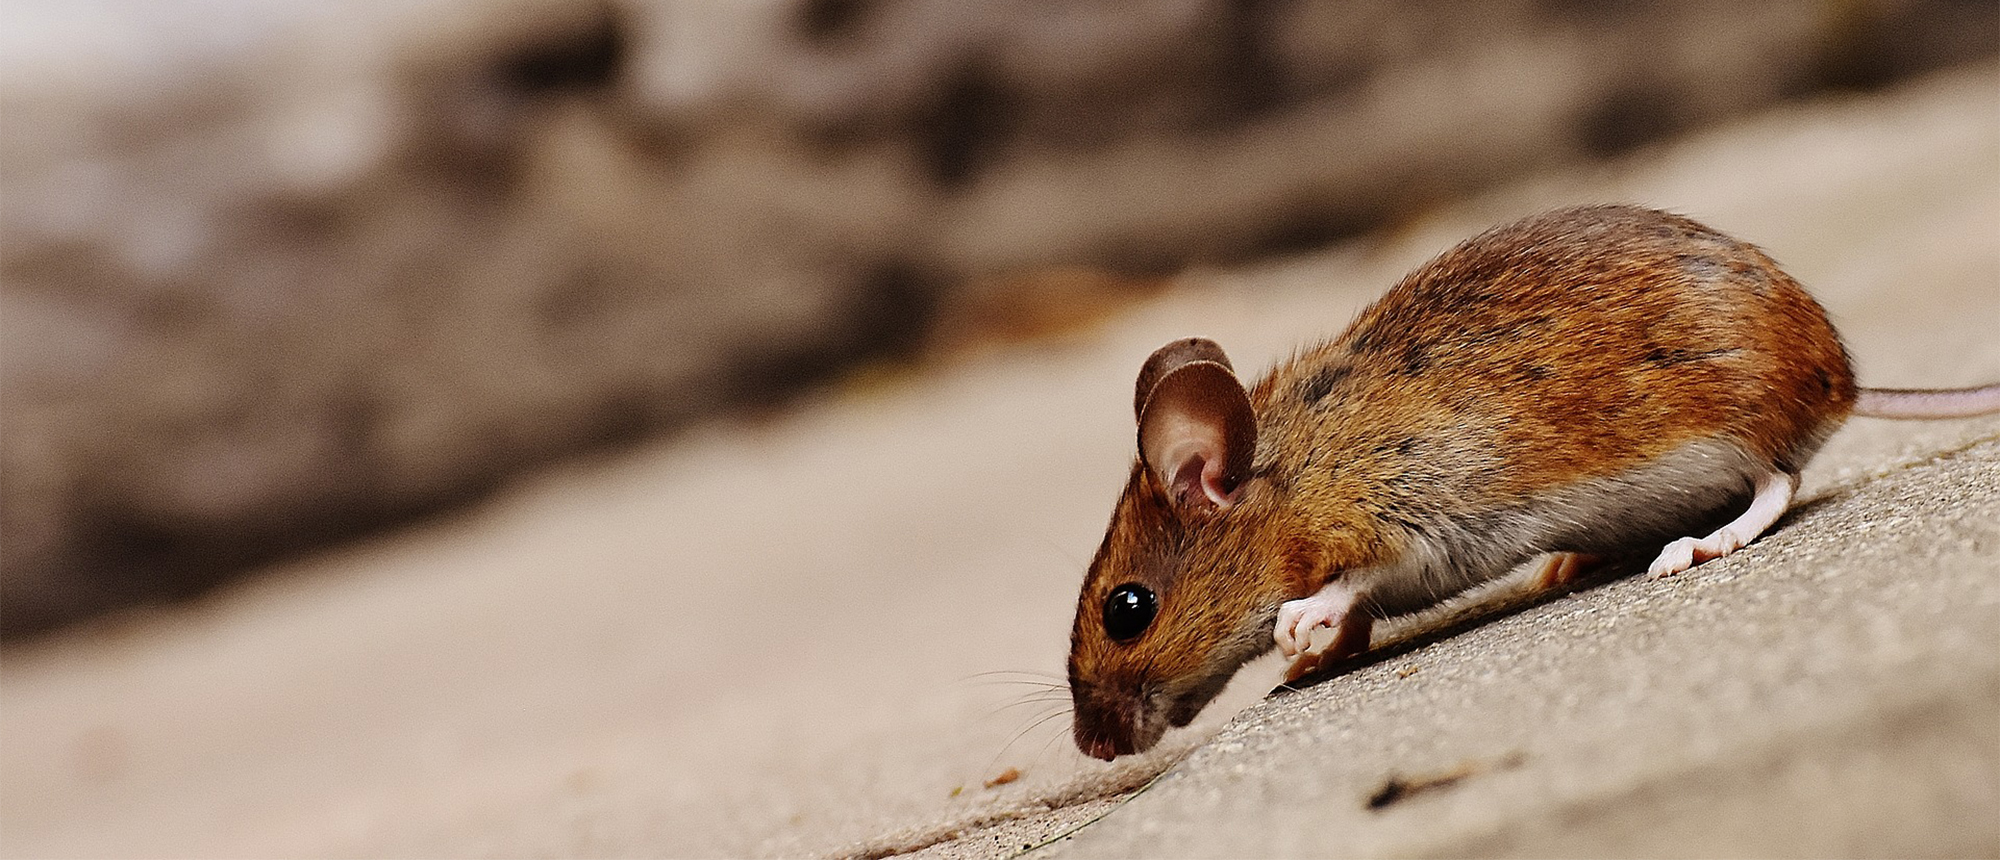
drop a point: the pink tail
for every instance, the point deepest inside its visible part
(1928, 402)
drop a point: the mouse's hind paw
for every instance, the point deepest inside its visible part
(1774, 494)
(1564, 569)
(1688, 552)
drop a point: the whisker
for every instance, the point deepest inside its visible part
(1055, 708)
(1037, 673)
(1068, 554)
(1019, 682)
(1037, 697)
(1038, 723)
(1015, 677)
(1022, 702)
(1032, 696)
(1037, 760)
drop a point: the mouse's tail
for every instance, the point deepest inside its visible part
(1928, 402)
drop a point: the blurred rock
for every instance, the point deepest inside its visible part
(275, 273)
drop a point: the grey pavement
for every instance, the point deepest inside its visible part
(1832, 691)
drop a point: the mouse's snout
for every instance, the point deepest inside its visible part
(1101, 746)
(1111, 723)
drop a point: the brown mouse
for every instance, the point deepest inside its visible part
(1592, 382)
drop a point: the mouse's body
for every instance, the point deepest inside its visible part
(1595, 381)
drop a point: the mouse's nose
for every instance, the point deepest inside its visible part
(1100, 747)
(1101, 732)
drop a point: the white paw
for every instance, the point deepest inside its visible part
(1688, 552)
(1297, 619)
(1676, 557)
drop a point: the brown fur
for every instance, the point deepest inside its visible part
(1561, 351)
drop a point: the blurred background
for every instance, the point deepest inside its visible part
(277, 274)
(508, 428)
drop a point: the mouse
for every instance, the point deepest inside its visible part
(1591, 383)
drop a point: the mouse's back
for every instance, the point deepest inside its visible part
(1576, 344)
(1630, 365)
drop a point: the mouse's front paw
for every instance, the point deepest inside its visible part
(1294, 631)
(1334, 607)
(1297, 619)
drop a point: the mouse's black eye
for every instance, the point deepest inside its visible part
(1128, 610)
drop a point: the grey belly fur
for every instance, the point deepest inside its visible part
(1691, 488)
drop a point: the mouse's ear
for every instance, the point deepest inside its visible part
(1196, 429)
(1168, 359)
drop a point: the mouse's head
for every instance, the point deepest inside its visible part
(1186, 586)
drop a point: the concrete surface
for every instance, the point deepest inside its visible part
(773, 638)
(1833, 693)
